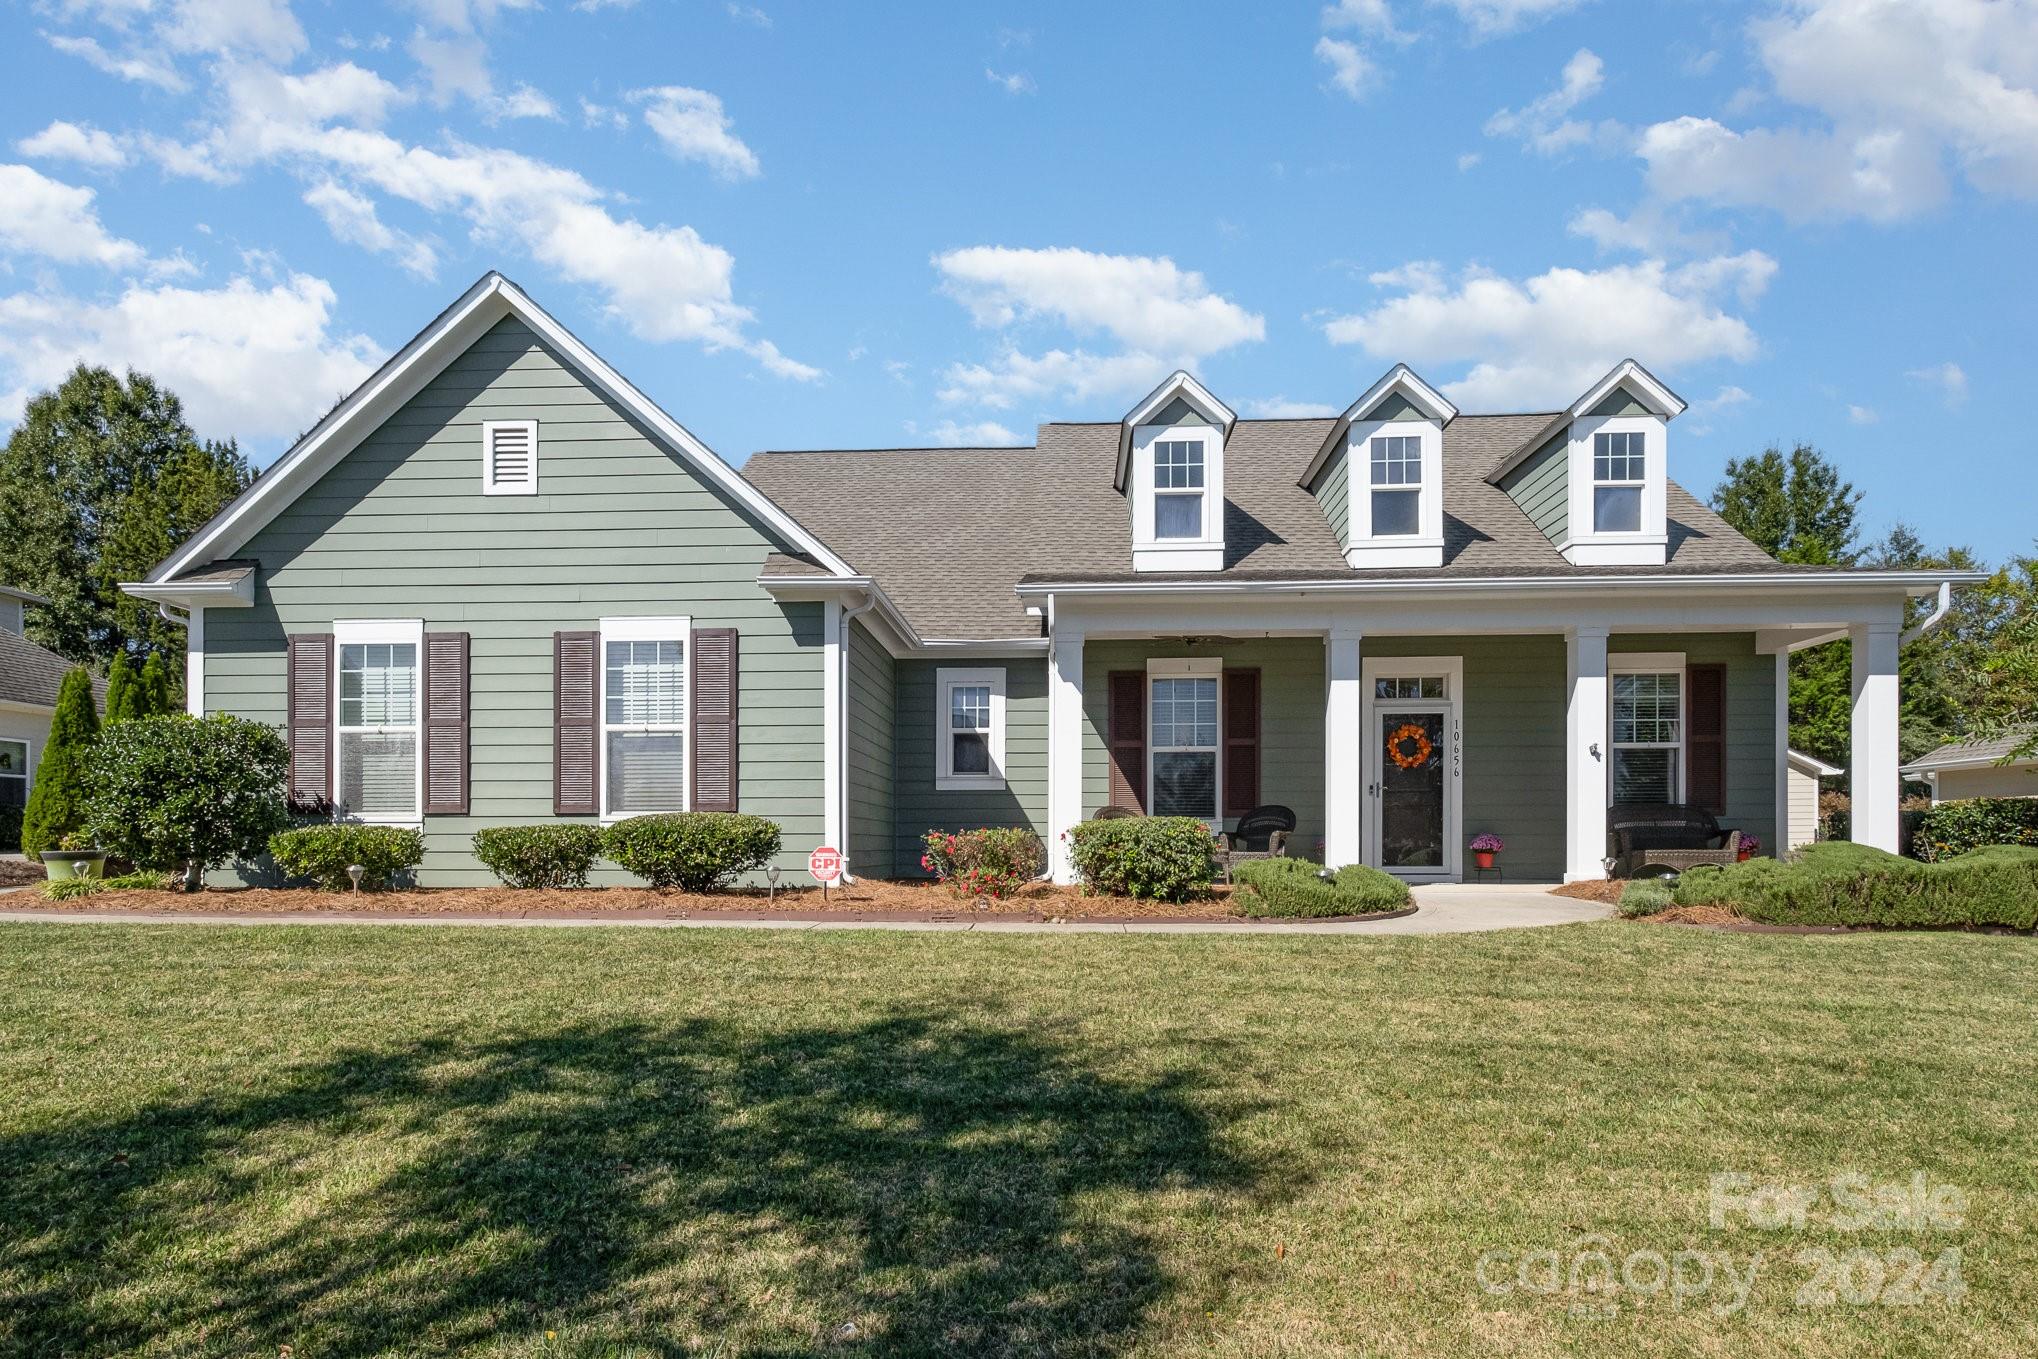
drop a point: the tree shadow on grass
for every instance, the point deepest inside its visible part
(915, 1184)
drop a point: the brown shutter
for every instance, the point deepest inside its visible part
(1128, 738)
(713, 673)
(309, 661)
(1241, 741)
(1705, 737)
(574, 658)
(446, 723)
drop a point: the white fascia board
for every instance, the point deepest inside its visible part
(1645, 384)
(1400, 378)
(488, 301)
(1910, 582)
(897, 635)
(1178, 383)
(200, 594)
(1812, 764)
(1972, 762)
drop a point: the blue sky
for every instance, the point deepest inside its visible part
(840, 226)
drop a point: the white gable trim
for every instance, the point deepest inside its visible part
(1400, 378)
(1637, 379)
(417, 363)
(1179, 383)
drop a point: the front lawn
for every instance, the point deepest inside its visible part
(356, 1140)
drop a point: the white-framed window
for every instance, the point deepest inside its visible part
(377, 744)
(509, 457)
(644, 745)
(1395, 465)
(969, 728)
(1646, 760)
(1185, 738)
(13, 773)
(1620, 477)
(1178, 488)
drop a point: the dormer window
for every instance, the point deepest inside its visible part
(1380, 473)
(1619, 477)
(1617, 471)
(1171, 469)
(1178, 488)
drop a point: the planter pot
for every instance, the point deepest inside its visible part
(60, 864)
(1746, 855)
(1483, 857)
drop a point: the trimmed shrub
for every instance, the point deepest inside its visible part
(693, 851)
(1161, 858)
(994, 861)
(1953, 828)
(557, 855)
(185, 792)
(1298, 888)
(10, 828)
(56, 802)
(322, 853)
(1644, 896)
(1839, 883)
(64, 889)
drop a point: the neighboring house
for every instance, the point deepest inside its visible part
(29, 677)
(497, 584)
(1803, 799)
(1977, 769)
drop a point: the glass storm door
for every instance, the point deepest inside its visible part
(1410, 803)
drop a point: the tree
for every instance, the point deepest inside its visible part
(187, 792)
(1795, 507)
(56, 802)
(99, 482)
(120, 691)
(153, 687)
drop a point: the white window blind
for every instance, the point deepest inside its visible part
(644, 698)
(377, 734)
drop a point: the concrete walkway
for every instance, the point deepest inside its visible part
(1455, 908)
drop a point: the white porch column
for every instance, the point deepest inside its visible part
(1873, 761)
(1064, 749)
(1586, 736)
(1343, 747)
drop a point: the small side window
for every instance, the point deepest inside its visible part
(969, 729)
(509, 457)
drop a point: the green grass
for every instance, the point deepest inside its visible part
(356, 1141)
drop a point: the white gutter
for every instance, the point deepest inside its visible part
(818, 587)
(843, 622)
(1931, 620)
(1912, 582)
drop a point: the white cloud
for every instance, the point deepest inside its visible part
(1698, 420)
(1491, 17)
(749, 14)
(1861, 415)
(455, 64)
(1902, 89)
(1538, 342)
(982, 434)
(83, 143)
(1545, 125)
(522, 102)
(1468, 160)
(141, 70)
(1648, 230)
(1352, 72)
(1018, 82)
(601, 115)
(56, 221)
(1949, 379)
(261, 28)
(693, 126)
(1281, 408)
(1372, 17)
(352, 218)
(248, 361)
(1161, 317)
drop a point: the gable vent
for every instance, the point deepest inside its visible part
(509, 457)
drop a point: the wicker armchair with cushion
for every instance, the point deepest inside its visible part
(1261, 833)
(1666, 835)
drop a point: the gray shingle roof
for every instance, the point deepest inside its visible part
(1968, 752)
(31, 673)
(948, 532)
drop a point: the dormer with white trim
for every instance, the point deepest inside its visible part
(1619, 468)
(1171, 471)
(1379, 473)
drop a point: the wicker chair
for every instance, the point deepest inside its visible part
(1261, 833)
(1666, 835)
(1114, 812)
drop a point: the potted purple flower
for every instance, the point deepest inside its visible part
(1751, 845)
(1484, 846)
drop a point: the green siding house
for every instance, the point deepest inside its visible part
(499, 585)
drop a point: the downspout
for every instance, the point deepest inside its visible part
(1932, 619)
(848, 617)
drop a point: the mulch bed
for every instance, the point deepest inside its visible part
(19, 873)
(1606, 890)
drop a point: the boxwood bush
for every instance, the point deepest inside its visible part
(693, 851)
(1162, 858)
(1296, 888)
(993, 861)
(556, 855)
(1839, 883)
(1954, 828)
(1647, 896)
(322, 853)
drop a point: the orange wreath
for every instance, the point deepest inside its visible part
(1410, 731)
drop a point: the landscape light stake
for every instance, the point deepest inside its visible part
(354, 873)
(771, 885)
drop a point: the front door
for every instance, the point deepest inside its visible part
(1413, 768)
